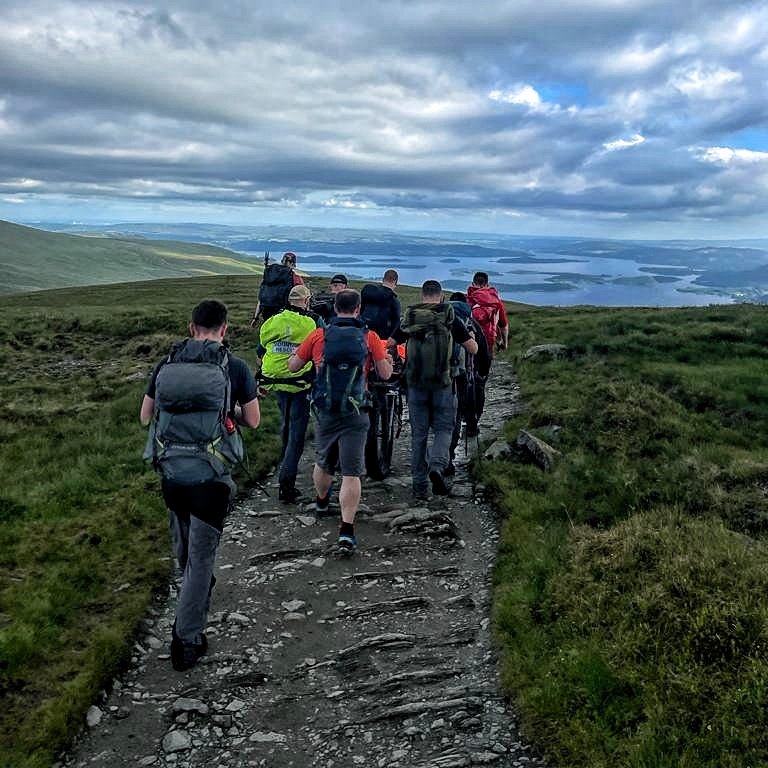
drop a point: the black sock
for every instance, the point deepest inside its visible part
(347, 529)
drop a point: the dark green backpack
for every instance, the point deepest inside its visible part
(430, 345)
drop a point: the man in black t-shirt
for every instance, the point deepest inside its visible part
(380, 306)
(197, 509)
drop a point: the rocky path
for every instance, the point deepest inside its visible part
(382, 659)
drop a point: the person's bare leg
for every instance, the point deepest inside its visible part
(322, 481)
(349, 497)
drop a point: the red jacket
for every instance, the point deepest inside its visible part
(488, 310)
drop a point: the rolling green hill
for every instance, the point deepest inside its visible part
(31, 260)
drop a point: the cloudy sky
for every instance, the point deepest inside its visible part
(636, 118)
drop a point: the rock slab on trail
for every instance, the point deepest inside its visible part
(383, 659)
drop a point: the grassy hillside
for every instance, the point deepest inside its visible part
(632, 587)
(31, 259)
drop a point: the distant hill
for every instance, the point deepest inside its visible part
(31, 259)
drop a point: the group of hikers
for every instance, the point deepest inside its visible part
(316, 354)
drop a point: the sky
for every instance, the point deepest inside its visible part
(614, 118)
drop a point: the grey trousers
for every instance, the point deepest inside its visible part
(435, 411)
(194, 544)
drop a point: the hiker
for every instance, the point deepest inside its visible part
(380, 307)
(470, 373)
(431, 328)
(341, 353)
(489, 311)
(279, 337)
(195, 399)
(275, 286)
(323, 302)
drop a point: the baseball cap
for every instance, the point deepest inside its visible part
(339, 279)
(299, 292)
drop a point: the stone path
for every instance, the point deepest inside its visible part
(382, 659)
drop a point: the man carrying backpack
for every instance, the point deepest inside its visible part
(431, 329)
(279, 337)
(275, 286)
(342, 353)
(489, 311)
(195, 399)
(380, 307)
(323, 303)
(470, 372)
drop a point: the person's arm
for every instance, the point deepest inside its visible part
(247, 412)
(249, 415)
(463, 336)
(502, 328)
(147, 410)
(382, 360)
(304, 352)
(296, 362)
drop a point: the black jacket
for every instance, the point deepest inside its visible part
(380, 309)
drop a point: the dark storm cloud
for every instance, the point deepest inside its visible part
(527, 107)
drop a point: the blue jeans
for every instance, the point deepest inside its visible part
(294, 410)
(433, 410)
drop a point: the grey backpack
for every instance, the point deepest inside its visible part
(192, 439)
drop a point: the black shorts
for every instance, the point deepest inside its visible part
(208, 502)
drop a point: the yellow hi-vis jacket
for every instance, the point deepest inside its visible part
(280, 336)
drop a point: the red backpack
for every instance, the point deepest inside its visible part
(485, 310)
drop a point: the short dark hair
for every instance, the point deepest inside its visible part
(458, 296)
(431, 288)
(346, 301)
(391, 276)
(210, 314)
(480, 278)
(289, 258)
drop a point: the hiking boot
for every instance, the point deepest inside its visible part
(439, 488)
(323, 507)
(420, 495)
(346, 543)
(185, 655)
(288, 494)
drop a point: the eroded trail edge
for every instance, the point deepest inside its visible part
(383, 659)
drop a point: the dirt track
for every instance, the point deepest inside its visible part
(383, 659)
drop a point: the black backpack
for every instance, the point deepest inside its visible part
(192, 439)
(379, 309)
(275, 287)
(340, 384)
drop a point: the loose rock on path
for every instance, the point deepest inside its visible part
(381, 659)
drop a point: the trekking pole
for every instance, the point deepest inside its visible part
(245, 465)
